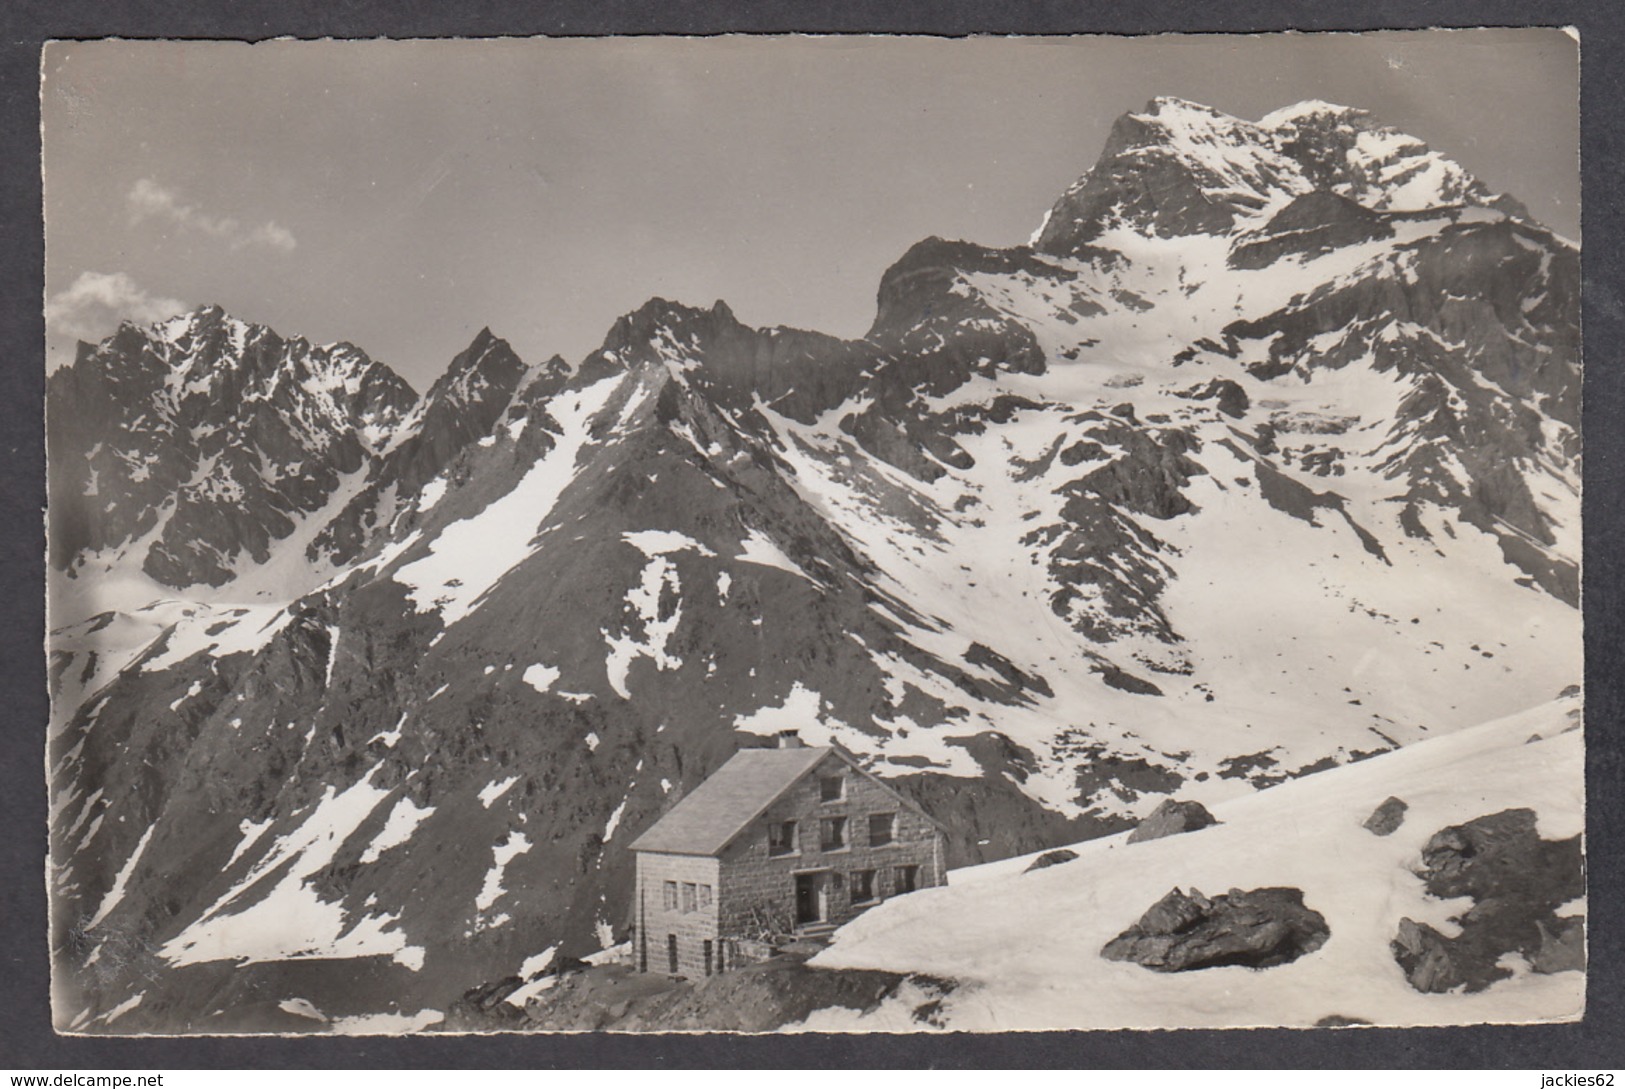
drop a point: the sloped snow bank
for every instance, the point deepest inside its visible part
(1026, 946)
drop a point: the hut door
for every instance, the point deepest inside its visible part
(809, 897)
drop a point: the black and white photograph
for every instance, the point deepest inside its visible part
(814, 534)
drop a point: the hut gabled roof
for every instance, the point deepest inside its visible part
(738, 792)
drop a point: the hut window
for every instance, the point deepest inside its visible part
(781, 838)
(863, 886)
(908, 878)
(881, 828)
(705, 897)
(668, 896)
(831, 788)
(688, 897)
(834, 833)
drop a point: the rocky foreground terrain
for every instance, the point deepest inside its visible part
(1260, 460)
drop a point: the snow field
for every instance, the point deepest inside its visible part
(1025, 947)
(469, 556)
(1324, 621)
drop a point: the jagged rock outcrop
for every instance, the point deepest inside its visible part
(1313, 224)
(1260, 928)
(1518, 882)
(1386, 818)
(1051, 858)
(1172, 818)
(460, 409)
(758, 998)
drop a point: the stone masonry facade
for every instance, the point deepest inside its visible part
(686, 925)
(698, 914)
(759, 888)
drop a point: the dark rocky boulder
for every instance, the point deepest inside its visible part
(1260, 928)
(1386, 818)
(1426, 957)
(486, 997)
(485, 1007)
(1517, 881)
(1172, 818)
(1051, 858)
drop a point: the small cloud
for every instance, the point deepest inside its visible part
(93, 305)
(149, 200)
(269, 234)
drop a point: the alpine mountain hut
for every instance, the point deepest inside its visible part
(778, 842)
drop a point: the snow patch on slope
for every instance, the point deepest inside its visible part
(647, 602)
(116, 893)
(290, 921)
(503, 853)
(758, 549)
(540, 677)
(398, 828)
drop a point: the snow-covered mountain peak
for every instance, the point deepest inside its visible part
(665, 317)
(1219, 148)
(1178, 169)
(1312, 107)
(186, 449)
(1180, 116)
(178, 325)
(677, 336)
(209, 351)
(205, 330)
(1175, 169)
(488, 360)
(1352, 153)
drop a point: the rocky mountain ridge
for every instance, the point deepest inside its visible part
(1262, 459)
(191, 447)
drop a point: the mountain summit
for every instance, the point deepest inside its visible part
(1262, 459)
(184, 451)
(1177, 168)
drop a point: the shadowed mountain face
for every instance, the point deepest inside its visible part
(186, 450)
(1261, 459)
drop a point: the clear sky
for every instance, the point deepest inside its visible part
(401, 195)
